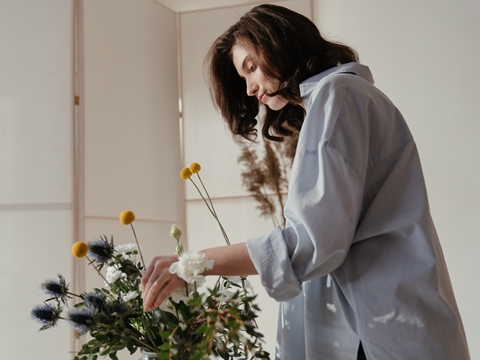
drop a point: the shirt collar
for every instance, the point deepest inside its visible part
(307, 86)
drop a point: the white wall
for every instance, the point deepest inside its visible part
(36, 162)
(424, 56)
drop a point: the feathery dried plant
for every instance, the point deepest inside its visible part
(266, 178)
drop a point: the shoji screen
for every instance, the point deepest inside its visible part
(36, 163)
(131, 125)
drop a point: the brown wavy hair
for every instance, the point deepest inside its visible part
(287, 47)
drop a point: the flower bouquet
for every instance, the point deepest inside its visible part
(193, 323)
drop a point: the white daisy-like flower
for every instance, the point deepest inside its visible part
(125, 248)
(129, 296)
(113, 274)
(190, 266)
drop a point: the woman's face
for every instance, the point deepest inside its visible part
(257, 83)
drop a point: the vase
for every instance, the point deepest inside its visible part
(147, 355)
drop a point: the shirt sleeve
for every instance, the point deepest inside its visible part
(322, 212)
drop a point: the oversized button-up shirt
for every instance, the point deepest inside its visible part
(359, 259)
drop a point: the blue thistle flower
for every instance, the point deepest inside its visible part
(117, 307)
(56, 288)
(81, 319)
(94, 300)
(46, 314)
(101, 250)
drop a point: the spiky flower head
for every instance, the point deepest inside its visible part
(117, 307)
(79, 249)
(46, 314)
(94, 300)
(56, 288)
(81, 319)
(185, 173)
(101, 250)
(195, 168)
(126, 217)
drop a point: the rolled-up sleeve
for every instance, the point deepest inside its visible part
(322, 214)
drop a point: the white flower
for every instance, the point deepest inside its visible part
(177, 295)
(125, 248)
(224, 295)
(190, 266)
(129, 296)
(246, 284)
(113, 274)
(249, 288)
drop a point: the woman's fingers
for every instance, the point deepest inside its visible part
(165, 291)
(157, 282)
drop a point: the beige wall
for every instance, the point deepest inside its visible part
(424, 55)
(131, 126)
(36, 162)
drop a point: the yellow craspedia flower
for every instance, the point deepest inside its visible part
(185, 173)
(79, 249)
(126, 217)
(195, 168)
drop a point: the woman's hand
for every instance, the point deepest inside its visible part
(158, 283)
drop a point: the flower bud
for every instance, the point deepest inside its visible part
(175, 232)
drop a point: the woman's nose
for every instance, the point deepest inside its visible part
(252, 88)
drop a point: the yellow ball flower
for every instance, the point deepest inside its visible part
(195, 168)
(79, 249)
(185, 173)
(126, 217)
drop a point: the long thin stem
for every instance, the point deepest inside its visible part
(90, 262)
(138, 246)
(212, 211)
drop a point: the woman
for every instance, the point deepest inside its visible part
(359, 261)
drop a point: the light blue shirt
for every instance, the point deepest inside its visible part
(359, 258)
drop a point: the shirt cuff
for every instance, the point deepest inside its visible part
(269, 255)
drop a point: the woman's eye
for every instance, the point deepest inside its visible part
(253, 67)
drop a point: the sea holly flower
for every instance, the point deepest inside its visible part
(94, 300)
(81, 319)
(117, 307)
(46, 314)
(101, 250)
(56, 288)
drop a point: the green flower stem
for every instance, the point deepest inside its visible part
(206, 192)
(212, 211)
(90, 262)
(138, 246)
(143, 344)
